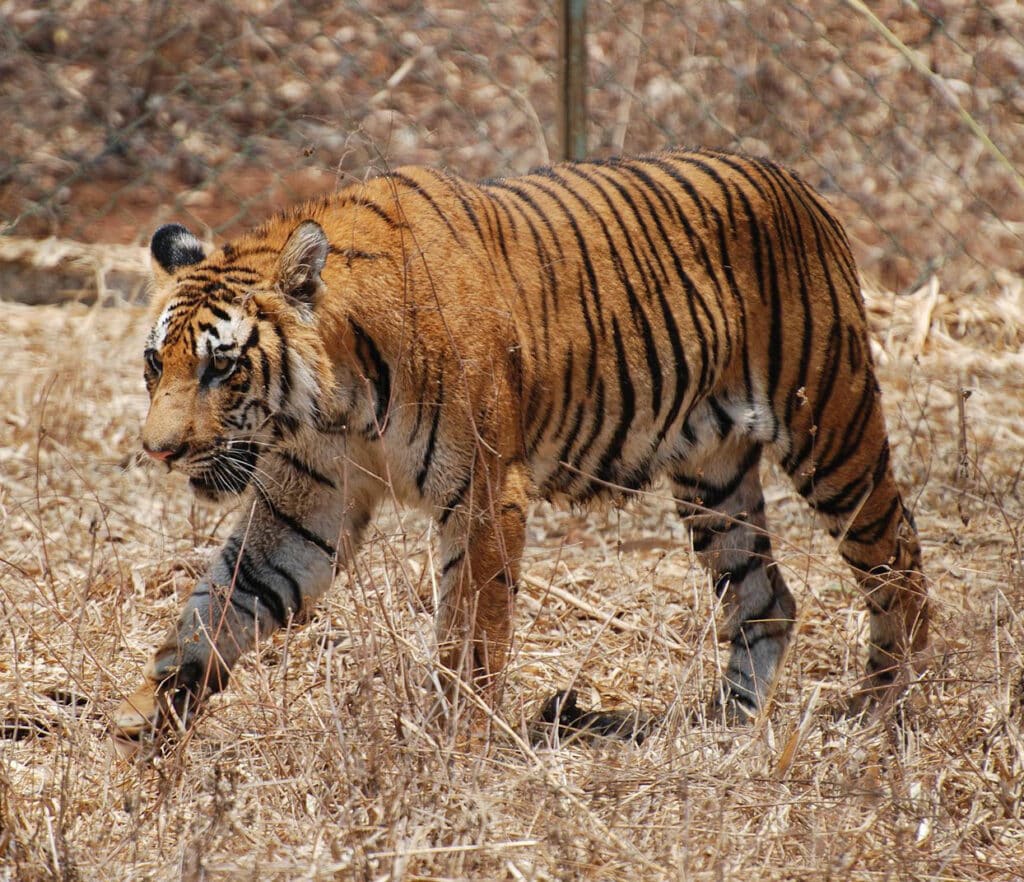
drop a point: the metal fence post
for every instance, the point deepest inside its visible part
(572, 79)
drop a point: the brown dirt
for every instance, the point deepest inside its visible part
(122, 115)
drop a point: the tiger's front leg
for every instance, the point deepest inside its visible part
(283, 553)
(481, 547)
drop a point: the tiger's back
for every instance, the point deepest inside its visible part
(575, 332)
(697, 294)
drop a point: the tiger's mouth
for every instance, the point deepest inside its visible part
(226, 471)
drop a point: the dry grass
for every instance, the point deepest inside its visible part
(315, 765)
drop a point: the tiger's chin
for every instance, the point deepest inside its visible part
(204, 488)
(228, 476)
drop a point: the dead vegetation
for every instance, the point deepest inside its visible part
(315, 764)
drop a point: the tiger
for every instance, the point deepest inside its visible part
(569, 335)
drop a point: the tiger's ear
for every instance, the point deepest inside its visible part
(172, 248)
(302, 260)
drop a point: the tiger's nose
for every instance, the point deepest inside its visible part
(165, 454)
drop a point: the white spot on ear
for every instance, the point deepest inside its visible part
(173, 247)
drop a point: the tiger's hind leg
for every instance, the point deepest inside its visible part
(720, 498)
(845, 475)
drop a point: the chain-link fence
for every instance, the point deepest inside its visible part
(122, 114)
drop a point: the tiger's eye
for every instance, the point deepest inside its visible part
(153, 363)
(218, 368)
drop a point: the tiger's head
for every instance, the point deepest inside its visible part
(233, 362)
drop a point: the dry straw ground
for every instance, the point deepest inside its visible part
(314, 765)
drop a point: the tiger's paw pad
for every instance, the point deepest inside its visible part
(562, 713)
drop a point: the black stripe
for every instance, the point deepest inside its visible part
(570, 218)
(547, 265)
(627, 404)
(248, 582)
(849, 496)
(696, 241)
(517, 508)
(714, 495)
(351, 254)
(582, 251)
(306, 469)
(538, 432)
(723, 421)
(612, 244)
(455, 185)
(872, 531)
(578, 457)
(362, 202)
(707, 340)
(503, 576)
(233, 253)
(793, 462)
(561, 477)
(376, 370)
(455, 499)
(548, 279)
(451, 564)
(567, 391)
(849, 445)
(298, 529)
(236, 602)
(791, 227)
(244, 580)
(286, 370)
(420, 191)
(884, 675)
(681, 369)
(737, 575)
(293, 585)
(498, 231)
(265, 370)
(428, 454)
(742, 698)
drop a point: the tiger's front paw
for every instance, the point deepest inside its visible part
(137, 720)
(165, 704)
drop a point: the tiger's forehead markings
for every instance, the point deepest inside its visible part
(206, 326)
(219, 329)
(159, 331)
